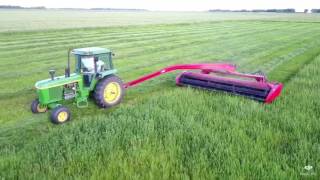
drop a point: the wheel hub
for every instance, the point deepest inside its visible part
(62, 116)
(112, 92)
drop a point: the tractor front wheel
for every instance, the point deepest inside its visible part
(36, 107)
(60, 115)
(109, 92)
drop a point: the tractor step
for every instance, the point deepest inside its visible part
(82, 103)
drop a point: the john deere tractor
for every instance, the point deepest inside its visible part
(93, 76)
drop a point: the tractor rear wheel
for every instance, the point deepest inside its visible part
(60, 115)
(109, 92)
(36, 107)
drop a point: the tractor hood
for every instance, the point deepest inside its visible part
(58, 81)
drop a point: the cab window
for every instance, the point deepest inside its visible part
(87, 64)
(105, 59)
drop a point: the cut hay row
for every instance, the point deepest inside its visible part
(68, 37)
(53, 50)
(158, 50)
(114, 32)
(92, 33)
(41, 48)
(128, 38)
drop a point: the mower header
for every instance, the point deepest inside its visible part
(220, 77)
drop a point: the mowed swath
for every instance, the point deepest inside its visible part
(161, 47)
(161, 130)
(123, 35)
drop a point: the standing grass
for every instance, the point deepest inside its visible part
(209, 135)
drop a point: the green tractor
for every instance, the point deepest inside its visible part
(94, 76)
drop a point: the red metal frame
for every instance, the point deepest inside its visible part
(204, 67)
(275, 91)
(219, 68)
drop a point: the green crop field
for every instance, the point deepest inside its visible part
(161, 131)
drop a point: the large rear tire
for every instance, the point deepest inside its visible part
(109, 92)
(60, 115)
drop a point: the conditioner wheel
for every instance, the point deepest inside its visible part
(109, 92)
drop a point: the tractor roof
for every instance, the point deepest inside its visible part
(90, 51)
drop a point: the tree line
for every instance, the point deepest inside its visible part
(315, 10)
(20, 7)
(288, 10)
(42, 7)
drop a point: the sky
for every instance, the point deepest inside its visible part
(170, 5)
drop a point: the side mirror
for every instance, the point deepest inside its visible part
(52, 72)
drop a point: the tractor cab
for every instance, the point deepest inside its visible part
(92, 62)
